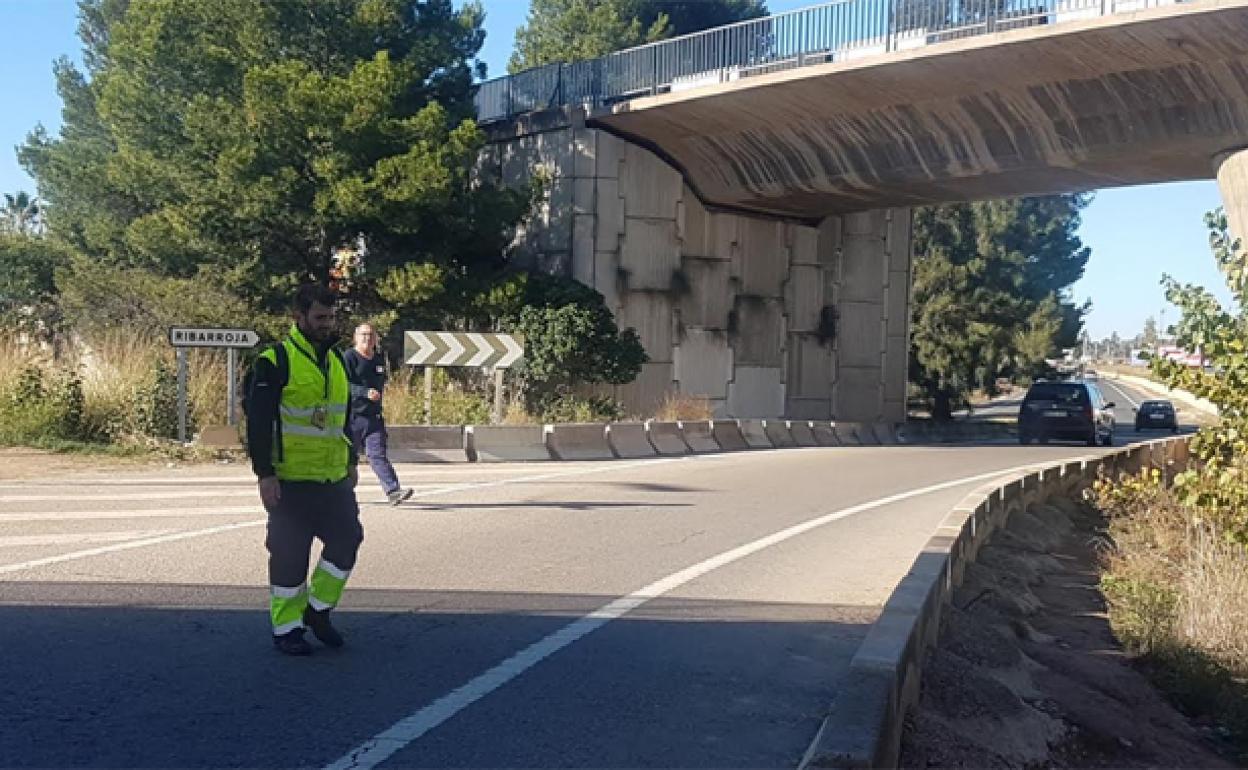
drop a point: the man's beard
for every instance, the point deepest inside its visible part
(318, 337)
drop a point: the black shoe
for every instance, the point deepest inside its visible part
(292, 643)
(322, 628)
(399, 495)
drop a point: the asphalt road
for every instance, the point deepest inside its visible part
(696, 612)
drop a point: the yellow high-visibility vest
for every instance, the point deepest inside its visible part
(312, 415)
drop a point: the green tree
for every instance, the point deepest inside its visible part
(570, 335)
(22, 214)
(1216, 488)
(574, 30)
(688, 16)
(991, 293)
(27, 283)
(247, 143)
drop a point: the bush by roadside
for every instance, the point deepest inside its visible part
(1176, 586)
(1176, 573)
(117, 393)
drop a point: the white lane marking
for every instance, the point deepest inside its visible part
(6, 569)
(134, 496)
(14, 541)
(75, 555)
(1118, 389)
(183, 494)
(149, 513)
(412, 727)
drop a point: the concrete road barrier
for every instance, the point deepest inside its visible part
(885, 434)
(629, 440)
(586, 441)
(220, 437)
(778, 433)
(825, 435)
(755, 433)
(728, 435)
(699, 436)
(865, 433)
(427, 443)
(912, 433)
(801, 433)
(666, 438)
(507, 443)
(846, 433)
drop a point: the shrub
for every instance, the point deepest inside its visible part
(570, 407)
(681, 406)
(453, 402)
(41, 404)
(98, 298)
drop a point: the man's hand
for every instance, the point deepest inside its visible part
(353, 476)
(374, 395)
(270, 491)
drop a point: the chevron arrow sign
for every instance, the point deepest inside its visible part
(487, 351)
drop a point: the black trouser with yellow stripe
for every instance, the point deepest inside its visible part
(307, 510)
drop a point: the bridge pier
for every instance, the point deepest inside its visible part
(763, 316)
(1232, 170)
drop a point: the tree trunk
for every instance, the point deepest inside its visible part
(942, 406)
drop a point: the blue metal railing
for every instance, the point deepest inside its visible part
(836, 31)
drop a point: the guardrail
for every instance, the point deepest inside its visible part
(838, 31)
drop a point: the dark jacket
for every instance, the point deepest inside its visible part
(365, 374)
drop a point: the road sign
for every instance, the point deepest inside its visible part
(488, 351)
(185, 337)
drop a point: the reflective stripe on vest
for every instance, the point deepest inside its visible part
(313, 449)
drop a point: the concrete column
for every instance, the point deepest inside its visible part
(1232, 170)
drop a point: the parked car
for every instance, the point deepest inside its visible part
(1074, 410)
(1158, 415)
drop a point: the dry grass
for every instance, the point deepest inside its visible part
(1213, 599)
(114, 365)
(12, 359)
(453, 403)
(681, 406)
(1177, 588)
(1163, 549)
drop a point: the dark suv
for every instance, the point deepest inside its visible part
(1157, 414)
(1073, 410)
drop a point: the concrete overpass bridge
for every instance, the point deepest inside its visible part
(741, 196)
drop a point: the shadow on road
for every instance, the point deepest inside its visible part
(129, 675)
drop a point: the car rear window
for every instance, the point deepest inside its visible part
(1058, 393)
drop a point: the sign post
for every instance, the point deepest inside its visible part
(428, 395)
(233, 340)
(182, 395)
(496, 352)
(231, 385)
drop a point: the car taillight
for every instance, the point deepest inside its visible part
(1087, 411)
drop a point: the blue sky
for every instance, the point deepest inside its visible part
(1136, 234)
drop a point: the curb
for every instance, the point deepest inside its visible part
(864, 724)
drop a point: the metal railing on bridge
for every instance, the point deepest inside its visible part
(838, 31)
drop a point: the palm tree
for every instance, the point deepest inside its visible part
(22, 214)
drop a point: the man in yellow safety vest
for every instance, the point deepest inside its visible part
(302, 454)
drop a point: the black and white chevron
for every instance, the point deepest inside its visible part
(487, 351)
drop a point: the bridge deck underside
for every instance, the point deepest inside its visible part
(1125, 100)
